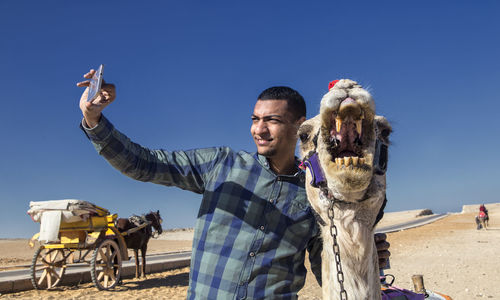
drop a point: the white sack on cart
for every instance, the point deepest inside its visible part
(49, 227)
(51, 213)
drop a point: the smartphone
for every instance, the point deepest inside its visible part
(95, 84)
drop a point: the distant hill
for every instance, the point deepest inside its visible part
(475, 207)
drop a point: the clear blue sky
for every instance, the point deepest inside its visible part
(188, 74)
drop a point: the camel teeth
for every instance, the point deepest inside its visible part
(338, 124)
(347, 161)
(355, 160)
(359, 126)
(361, 161)
(341, 160)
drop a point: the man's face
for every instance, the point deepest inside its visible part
(274, 129)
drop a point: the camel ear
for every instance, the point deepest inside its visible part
(384, 129)
(380, 158)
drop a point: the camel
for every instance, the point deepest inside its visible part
(345, 149)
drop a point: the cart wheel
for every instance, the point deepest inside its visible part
(106, 265)
(47, 268)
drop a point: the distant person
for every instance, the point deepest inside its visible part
(254, 224)
(482, 218)
(483, 209)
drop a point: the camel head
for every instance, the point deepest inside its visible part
(345, 149)
(350, 142)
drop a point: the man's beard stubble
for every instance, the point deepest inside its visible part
(268, 153)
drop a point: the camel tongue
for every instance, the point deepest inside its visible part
(346, 131)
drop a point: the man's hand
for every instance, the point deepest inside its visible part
(382, 249)
(92, 110)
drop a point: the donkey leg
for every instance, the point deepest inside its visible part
(143, 253)
(136, 255)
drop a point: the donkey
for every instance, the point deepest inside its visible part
(140, 231)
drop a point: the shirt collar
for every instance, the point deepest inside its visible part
(265, 163)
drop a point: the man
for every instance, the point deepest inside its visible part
(254, 223)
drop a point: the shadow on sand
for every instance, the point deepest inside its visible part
(169, 281)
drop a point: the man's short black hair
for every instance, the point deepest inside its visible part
(295, 101)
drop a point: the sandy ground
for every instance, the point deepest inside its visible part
(453, 256)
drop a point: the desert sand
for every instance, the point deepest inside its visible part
(454, 257)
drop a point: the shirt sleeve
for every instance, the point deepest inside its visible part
(188, 170)
(315, 248)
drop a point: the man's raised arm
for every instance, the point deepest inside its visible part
(188, 170)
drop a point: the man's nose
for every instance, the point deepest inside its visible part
(261, 127)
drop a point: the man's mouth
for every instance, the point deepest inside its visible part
(263, 142)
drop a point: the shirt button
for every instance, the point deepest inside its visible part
(262, 227)
(242, 283)
(271, 200)
(252, 254)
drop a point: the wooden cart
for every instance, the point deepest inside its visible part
(93, 240)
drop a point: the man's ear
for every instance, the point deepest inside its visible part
(300, 121)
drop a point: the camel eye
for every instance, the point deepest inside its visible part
(304, 133)
(304, 137)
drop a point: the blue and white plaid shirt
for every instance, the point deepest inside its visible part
(253, 226)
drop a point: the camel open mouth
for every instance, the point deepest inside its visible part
(344, 135)
(348, 140)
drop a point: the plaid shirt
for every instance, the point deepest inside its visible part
(253, 226)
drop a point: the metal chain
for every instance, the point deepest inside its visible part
(336, 248)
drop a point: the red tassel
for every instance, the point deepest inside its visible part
(332, 84)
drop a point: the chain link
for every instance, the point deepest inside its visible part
(336, 248)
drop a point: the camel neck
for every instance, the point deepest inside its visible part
(358, 260)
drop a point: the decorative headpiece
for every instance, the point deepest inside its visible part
(332, 84)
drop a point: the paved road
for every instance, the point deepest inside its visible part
(75, 268)
(411, 224)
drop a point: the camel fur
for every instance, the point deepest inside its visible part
(344, 135)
